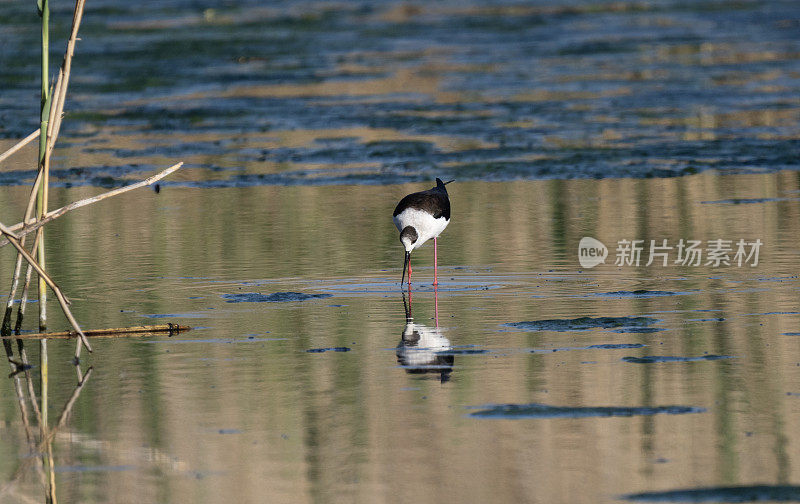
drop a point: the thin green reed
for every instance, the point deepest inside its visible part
(44, 119)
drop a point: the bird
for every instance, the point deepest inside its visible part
(419, 217)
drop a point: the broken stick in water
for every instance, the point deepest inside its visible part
(111, 332)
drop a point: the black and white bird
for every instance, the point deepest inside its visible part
(419, 217)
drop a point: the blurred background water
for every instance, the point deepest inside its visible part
(302, 124)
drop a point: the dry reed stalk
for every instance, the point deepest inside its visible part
(21, 229)
(51, 118)
(63, 301)
(57, 92)
(6, 325)
(63, 78)
(52, 108)
(23, 300)
(57, 213)
(14, 239)
(19, 145)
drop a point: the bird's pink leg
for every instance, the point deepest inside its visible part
(435, 263)
(409, 274)
(435, 305)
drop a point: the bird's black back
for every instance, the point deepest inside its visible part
(435, 201)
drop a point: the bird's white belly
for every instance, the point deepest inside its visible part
(427, 227)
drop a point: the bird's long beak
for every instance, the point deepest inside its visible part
(449, 181)
(405, 266)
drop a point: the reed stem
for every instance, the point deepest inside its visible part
(41, 209)
(6, 327)
(62, 300)
(19, 145)
(44, 119)
(23, 300)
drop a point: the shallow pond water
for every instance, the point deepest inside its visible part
(544, 381)
(526, 376)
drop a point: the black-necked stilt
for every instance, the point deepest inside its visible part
(419, 217)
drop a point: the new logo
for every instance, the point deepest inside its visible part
(591, 252)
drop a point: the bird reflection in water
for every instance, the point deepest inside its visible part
(423, 349)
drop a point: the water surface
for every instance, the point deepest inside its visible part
(309, 397)
(302, 124)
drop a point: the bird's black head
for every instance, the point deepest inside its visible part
(408, 237)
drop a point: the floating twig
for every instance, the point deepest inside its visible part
(109, 333)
